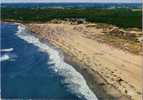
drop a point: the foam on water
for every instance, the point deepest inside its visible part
(8, 57)
(6, 50)
(73, 79)
(4, 57)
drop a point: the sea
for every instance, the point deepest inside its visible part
(87, 5)
(31, 69)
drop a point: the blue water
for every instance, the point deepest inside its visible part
(26, 73)
(72, 5)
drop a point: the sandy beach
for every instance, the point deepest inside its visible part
(111, 72)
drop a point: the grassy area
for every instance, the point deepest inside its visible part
(121, 43)
(120, 17)
(124, 44)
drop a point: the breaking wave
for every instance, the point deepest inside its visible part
(4, 57)
(7, 54)
(8, 57)
(73, 79)
(6, 50)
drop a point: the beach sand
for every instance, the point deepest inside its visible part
(112, 73)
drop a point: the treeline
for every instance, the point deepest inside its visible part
(120, 17)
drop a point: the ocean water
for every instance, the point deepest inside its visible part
(71, 5)
(33, 70)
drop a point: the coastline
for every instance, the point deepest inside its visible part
(96, 85)
(94, 80)
(72, 77)
(113, 85)
(83, 71)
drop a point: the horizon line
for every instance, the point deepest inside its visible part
(70, 2)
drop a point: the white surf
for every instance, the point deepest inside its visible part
(6, 50)
(4, 57)
(73, 79)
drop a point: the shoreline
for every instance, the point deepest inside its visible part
(112, 80)
(95, 85)
(69, 60)
(98, 85)
(61, 54)
(88, 74)
(96, 82)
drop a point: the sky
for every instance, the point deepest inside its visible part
(107, 1)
